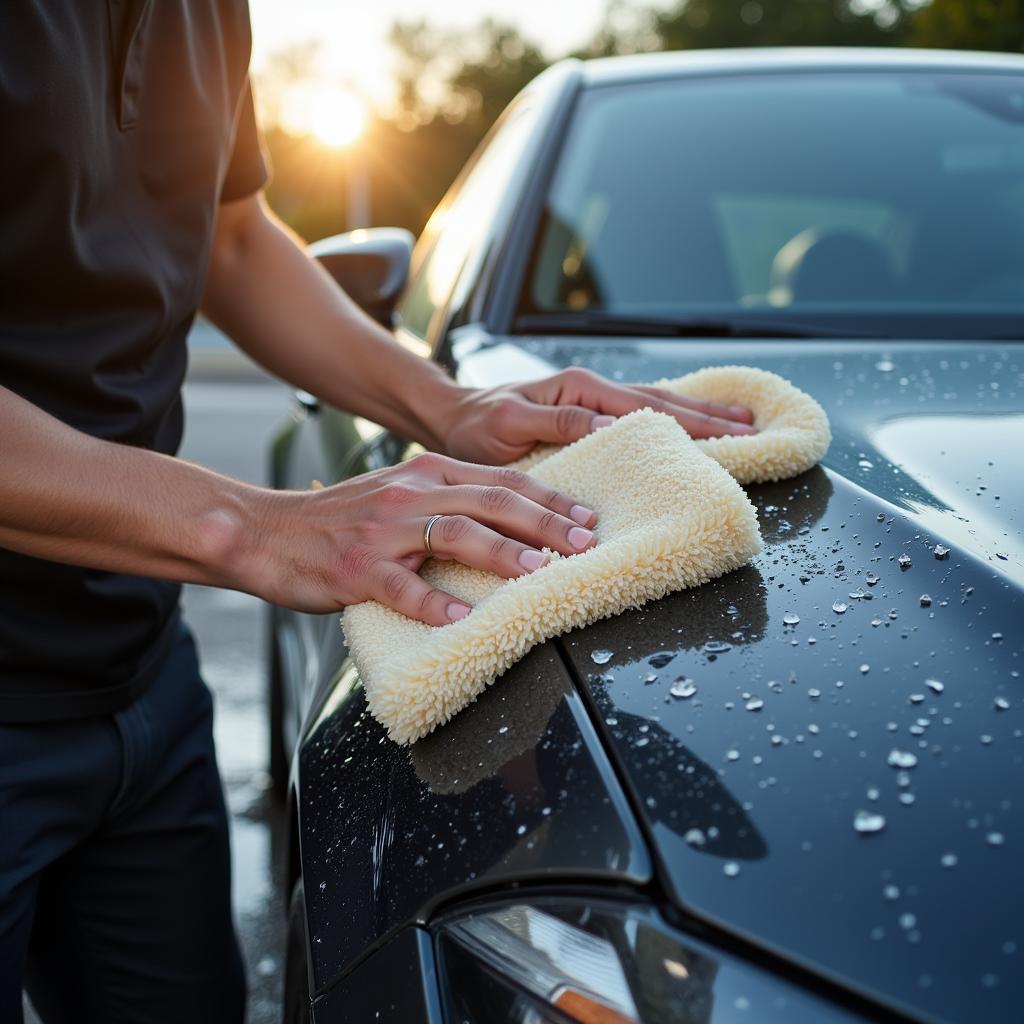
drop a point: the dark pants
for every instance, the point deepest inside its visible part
(115, 877)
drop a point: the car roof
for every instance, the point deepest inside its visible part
(613, 70)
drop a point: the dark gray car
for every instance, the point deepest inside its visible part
(794, 793)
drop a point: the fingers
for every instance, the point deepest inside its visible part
(719, 410)
(461, 538)
(693, 416)
(516, 516)
(701, 424)
(401, 589)
(585, 392)
(557, 424)
(524, 484)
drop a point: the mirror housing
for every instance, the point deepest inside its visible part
(371, 264)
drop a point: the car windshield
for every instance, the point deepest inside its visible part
(886, 202)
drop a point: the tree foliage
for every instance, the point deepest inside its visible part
(971, 25)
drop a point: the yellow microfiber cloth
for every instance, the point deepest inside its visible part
(669, 517)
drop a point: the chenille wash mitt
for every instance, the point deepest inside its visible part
(671, 514)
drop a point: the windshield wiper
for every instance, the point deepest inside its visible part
(642, 326)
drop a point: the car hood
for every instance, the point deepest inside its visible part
(825, 748)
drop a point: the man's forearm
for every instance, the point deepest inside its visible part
(71, 498)
(283, 309)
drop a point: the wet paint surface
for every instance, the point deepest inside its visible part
(844, 787)
(515, 788)
(825, 748)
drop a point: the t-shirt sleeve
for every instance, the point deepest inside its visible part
(247, 170)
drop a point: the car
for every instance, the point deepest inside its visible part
(794, 793)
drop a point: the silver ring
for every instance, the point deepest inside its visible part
(426, 533)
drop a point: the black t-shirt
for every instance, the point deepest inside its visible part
(124, 125)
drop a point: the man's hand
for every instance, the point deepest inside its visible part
(363, 539)
(503, 424)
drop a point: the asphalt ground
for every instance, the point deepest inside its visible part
(231, 413)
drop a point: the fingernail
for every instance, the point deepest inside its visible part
(739, 410)
(531, 560)
(580, 514)
(457, 611)
(580, 538)
(601, 421)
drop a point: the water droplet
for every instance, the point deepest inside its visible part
(682, 688)
(659, 660)
(865, 464)
(839, 607)
(995, 839)
(731, 869)
(867, 822)
(873, 793)
(732, 755)
(906, 798)
(925, 600)
(935, 685)
(916, 698)
(323, 886)
(902, 758)
(502, 730)
(717, 647)
(940, 552)
(1001, 704)
(601, 657)
(997, 637)
(755, 704)
(885, 366)
(790, 618)
(865, 669)
(814, 693)
(948, 860)
(876, 622)
(642, 742)
(521, 831)
(872, 578)
(907, 921)
(891, 892)
(904, 561)
(695, 837)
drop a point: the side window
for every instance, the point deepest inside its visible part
(462, 219)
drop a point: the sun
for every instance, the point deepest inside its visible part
(337, 117)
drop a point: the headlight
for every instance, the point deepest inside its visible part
(556, 961)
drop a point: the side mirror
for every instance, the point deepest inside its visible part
(371, 264)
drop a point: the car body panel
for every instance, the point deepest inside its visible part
(926, 451)
(855, 666)
(397, 985)
(518, 787)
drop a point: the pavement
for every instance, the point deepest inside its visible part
(232, 409)
(228, 427)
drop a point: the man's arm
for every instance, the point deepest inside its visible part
(280, 306)
(72, 498)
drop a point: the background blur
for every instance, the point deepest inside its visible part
(370, 110)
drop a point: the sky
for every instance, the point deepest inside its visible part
(353, 36)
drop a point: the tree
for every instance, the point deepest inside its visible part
(696, 24)
(971, 25)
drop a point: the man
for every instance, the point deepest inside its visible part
(132, 178)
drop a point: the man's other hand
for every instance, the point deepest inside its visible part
(500, 425)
